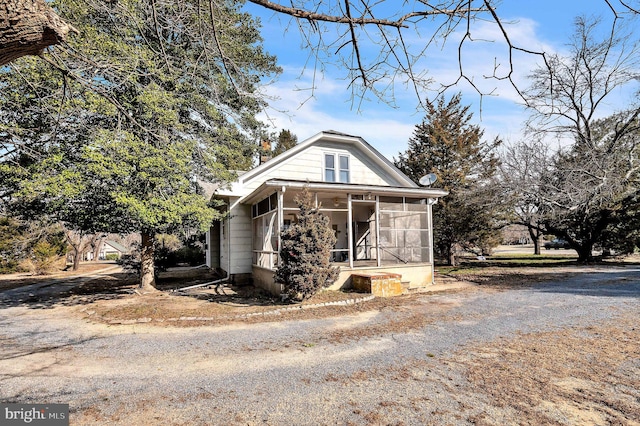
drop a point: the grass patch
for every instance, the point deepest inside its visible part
(520, 260)
(510, 270)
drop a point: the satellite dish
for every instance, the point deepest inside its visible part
(428, 180)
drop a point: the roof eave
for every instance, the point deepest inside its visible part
(343, 188)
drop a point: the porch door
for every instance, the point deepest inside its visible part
(364, 230)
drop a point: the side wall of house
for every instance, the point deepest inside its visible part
(239, 232)
(213, 246)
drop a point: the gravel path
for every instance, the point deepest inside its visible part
(397, 366)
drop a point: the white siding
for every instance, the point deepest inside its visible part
(309, 165)
(306, 163)
(240, 231)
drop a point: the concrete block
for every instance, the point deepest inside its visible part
(381, 284)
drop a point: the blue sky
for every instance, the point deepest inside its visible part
(541, 24)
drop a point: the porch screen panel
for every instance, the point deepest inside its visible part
(265, 234)
(404, 231)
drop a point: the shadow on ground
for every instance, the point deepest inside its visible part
(45, 293)
(67, 291)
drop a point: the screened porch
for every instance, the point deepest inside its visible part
(371, 229)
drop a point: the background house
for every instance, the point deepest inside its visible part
(381, 218)
(108, 250)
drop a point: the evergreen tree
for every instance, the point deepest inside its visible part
(448, 145)
(306, 252)
(113, 135)
(286, 140)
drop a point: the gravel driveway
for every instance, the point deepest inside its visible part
(565, 352)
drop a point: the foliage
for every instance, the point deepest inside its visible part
(448, 145)
(593, 194)
(168, 256)
(286, 140)
(10, 253)
(306, 249)
(114, 135)
(46, 257)
(169, 251)
(36, 247)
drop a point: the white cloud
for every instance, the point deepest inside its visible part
(310, 101)
(387, 129)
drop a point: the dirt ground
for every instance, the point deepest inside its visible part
(589, 376)
(112, 297)
(569, 376)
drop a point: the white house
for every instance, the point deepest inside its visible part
(381, 218)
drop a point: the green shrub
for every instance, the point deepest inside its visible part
(112, 256)
(193, 256)
(305, 252)
(45, 258)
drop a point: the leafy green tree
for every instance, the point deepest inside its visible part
(114, 135)
(286, 140)
(9, 244)
(306, 251)
(448, 145)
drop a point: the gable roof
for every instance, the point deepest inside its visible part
(331, 136)
(117, 246)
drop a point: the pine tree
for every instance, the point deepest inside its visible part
(286, 141)
(448, 145)
(305, 253)
(114, 135)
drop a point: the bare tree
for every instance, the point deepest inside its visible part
(80, 243)
(373, 41)
(597, 176)
(568, 96)
(522, 170)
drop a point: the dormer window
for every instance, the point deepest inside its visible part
(344, 168)
(336, 168)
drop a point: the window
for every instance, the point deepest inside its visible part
(336, 172)
(329, 168)
(265, 206)
(344, 169)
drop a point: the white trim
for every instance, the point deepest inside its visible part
(325, 154)
(334, 187)
(378, 251)
(337, 170)
(350, 229)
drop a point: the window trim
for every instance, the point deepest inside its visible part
(325, 167)
(347, 170)
(336, 169)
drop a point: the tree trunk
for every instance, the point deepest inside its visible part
(27, 27)
(74, 239)
(77, 257)
(96, 246)
(147, 269)
(535, 237)
(584, 253)
(451, 256)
